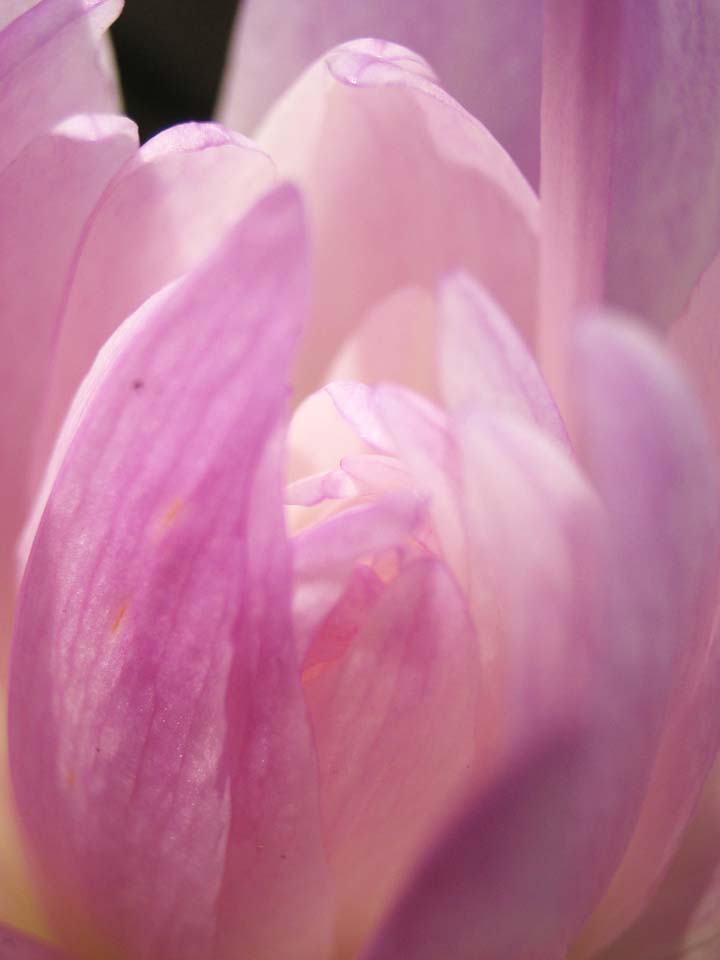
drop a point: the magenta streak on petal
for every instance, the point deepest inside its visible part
(159, 745)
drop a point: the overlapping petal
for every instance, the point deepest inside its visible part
(366, 131)
(160, 750)
(487, 56)
(631, 159)
(52, 65)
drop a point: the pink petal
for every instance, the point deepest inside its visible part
(672, 574)
(367, 132)
(485, 361)
(52, 66)
(630, 149)
(487, 55)
(12, 9)
(15, 945)
(47, 192)
(159, 744)
(147, 229)
(393, 720)
(488, 890)
(354, 402)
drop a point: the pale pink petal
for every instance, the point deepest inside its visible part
(52, 65)
(486, 54)
(695, 338)
(46, 195)
(489, 889)
(312, 490)
(669, 546)
(630, 159)
(159, 744)
(319, 437)
(485, 362)
(402, 185)
(325, 555)
(393, 719)
(15, 945)
(355, 402)
(149, 227)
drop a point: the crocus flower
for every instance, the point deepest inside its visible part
(368, 531)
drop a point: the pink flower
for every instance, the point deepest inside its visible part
(369, 580)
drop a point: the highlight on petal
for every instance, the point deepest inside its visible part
(14, 945)
(366, 132)
(47, 192)
(630, 208)
(160, 750)
(52, 66)
(487, 56)
(147, 229)
(393, 717)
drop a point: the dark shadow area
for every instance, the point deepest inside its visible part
(171, 54)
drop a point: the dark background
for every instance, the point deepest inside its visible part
(171, 54)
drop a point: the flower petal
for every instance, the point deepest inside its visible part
(367, 132)
(487, 890)
(159, 745)
(52, 67)
(147, 229)
(393, 720)
(486, 362)
(47, 192)
(630, 208)
(487, 56)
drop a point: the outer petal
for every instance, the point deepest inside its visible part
(47, 192)
(394, 724)
(16, 946)
(486, 54)
(160, 750)
(367, 132)
(631, 158)
(51, 66)
(165, 210)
